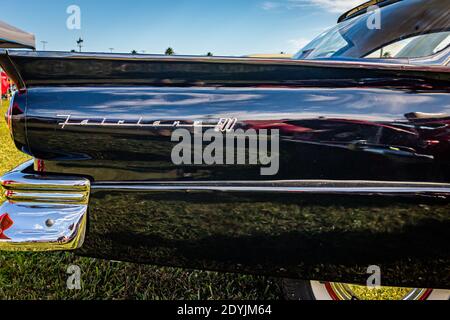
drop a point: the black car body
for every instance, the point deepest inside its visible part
(364, 171)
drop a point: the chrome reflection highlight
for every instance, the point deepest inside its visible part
(347, 292)
(42, 213)
(383, 188)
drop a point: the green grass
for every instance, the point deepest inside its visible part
(10, 157)
(43, 276)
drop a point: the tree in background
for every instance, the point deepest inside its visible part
(209, 54)
(80, 43)
(134, 52)
(169, 52)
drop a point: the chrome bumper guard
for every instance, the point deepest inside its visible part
(42, 212)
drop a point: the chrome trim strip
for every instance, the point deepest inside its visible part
(47, 197)
(19, 180)
(304, 186)
(42, 213)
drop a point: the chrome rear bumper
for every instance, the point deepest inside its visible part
(42, 212)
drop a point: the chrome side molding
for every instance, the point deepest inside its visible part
(319, 187)
(42, 212)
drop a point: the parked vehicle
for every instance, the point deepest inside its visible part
(4, 84)
(364, 171)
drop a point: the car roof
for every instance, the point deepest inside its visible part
(362, 8)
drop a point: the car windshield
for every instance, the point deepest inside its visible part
(330, 43)
(423, 30)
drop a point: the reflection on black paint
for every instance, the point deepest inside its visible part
(307, 237)
(345, 133)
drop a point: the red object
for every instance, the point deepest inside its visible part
(4, 83)
(41, 166)
(331, 292)
(5, 224)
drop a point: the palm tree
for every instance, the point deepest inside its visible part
(80, 43)
(209, 54)
(169, 52)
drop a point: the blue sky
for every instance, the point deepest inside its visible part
(224, 27)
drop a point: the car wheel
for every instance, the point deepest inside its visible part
(315, 290)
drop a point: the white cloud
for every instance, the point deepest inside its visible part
(339, 6)
(270, 5)
(335, 6)
(297, 44)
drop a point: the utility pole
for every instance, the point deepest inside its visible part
(80, 43)
(44, 43)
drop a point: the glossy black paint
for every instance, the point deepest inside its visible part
(297, 236)
(337, 121)
(36, 69)
(340, 134)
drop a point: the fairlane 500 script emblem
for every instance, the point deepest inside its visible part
(209, 143)
(222, 125)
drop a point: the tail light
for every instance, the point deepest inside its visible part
(39, 165)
